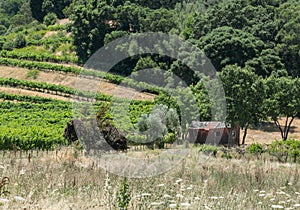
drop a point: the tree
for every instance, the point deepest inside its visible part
(282, 101)
(158, 124)
(50, 19)
(244, 92)
(267, 62)
(226, 45)
(288, 37)
(20, 41)
(90, 25)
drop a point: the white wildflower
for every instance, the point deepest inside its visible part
(145, 194)
(179, 180)
(173, 206)
(22, 172)
(214, 197)
(19, 198)
(3, 200)
(296, 205)
(197, 199)
(185, 204)
(167, 196)
(277, 207)
(262, 191)
(160, 185)
(262, 195)
(156, 203)
(179, 196)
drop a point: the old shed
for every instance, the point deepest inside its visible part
(213, 133)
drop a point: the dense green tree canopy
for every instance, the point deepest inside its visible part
(282, 101)
(245, 95)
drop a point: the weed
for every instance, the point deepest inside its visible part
(124, 195)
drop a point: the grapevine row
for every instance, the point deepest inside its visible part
(58, 89)
(116, 79)
(33, 56)
(25, 98)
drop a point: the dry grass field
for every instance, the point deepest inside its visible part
(68, 180)
(268, 132)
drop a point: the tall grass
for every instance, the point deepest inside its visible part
(62, 180)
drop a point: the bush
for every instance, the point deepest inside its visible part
(170, 138)
(209, 149)
(284, 150)
(20, 41)
(33, 74)
(8, 45)
(3, 29)
(256, 149)
(50, 19)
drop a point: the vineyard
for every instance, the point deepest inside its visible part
(33, 122)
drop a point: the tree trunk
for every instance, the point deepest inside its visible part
(287, 126)
(245, 133)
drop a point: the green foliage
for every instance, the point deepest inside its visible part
(50, 19)
(40, 8)
(20, 41)
(283, 150)
(245, 94)
(8, 45)
(33, 126)
(209, 149)
(160, 126)
(282, 100)
(256, 149)
(33, 74)
(124, 195)
(57, 89)
(3, 29)
(226, 45)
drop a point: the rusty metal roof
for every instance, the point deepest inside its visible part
(207, 125)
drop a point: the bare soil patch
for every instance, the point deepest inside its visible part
(268, 132)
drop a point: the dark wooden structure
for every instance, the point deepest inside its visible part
(213, 133)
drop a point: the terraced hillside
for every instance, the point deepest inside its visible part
(38, 84)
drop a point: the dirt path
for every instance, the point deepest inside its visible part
(76, 82)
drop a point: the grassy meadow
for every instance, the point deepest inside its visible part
(67, 179)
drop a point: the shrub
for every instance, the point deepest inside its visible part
(8, 45)
(170, 138)
(284, 150)
(33, 74)
(209, 149)
(123, 195)
(50, 19)
(256, 149)
(20, 41)
(3, 29)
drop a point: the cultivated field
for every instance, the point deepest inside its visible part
(74, 81)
